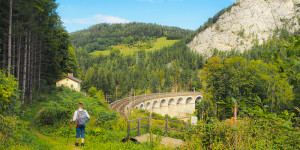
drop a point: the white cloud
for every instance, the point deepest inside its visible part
(96, 19)
(65, 20)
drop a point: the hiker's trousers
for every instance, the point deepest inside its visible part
(80, 132)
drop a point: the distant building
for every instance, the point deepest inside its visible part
(70, 82)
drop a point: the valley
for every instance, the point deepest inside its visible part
(233, 83)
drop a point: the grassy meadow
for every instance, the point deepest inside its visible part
(129, 50)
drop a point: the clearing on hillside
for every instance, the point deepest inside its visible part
(160, 43)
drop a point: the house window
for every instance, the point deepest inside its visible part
(72, 86)
(67, 79)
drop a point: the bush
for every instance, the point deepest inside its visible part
(92, 91)
(60, 107)
(16, 134)
(9, 94)
(103, 115)
(261, 130)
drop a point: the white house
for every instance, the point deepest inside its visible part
(70, 82)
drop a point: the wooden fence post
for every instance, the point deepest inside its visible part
(128, 129)
(166, 129)
(187, 127)
(139, 127)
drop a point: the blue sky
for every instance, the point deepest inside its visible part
(187, 14)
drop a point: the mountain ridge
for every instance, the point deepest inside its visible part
(103, 36)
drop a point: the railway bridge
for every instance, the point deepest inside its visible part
(172, 104)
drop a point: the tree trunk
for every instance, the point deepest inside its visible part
(28, 63)
(24, 70)
(13, 62)
(40, 67)
(9, 39)
(29, 67)
(19, 58)
(35, 62)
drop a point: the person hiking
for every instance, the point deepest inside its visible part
(80, 118)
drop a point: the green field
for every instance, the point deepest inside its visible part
(160, 43)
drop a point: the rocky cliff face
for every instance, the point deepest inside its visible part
(246, 22)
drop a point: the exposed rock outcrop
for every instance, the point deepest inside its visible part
(246, 22)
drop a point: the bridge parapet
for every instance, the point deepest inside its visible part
(163, 95)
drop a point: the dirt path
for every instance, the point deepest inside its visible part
(57, 144)
(166, 141)
(37, 115)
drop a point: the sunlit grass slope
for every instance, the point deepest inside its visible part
(125, 50)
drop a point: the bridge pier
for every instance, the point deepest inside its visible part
(164, 107)
(181, 107)
(156, 108)
(164, 110)
(190, 105)
(181, 110)
(172, 110)
(148, 106)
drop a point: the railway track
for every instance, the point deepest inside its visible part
(120, 105)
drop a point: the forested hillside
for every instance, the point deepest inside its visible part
(34, 53)
(102, 36)
(34, 45)
(169, 69)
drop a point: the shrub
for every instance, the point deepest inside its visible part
(9, 94)
(16, 134)
(92, 91)
(60, 107)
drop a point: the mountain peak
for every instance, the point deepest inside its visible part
(247, 21)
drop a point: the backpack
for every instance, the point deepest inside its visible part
(82, 118)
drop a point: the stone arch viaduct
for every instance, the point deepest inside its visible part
(172, 104)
